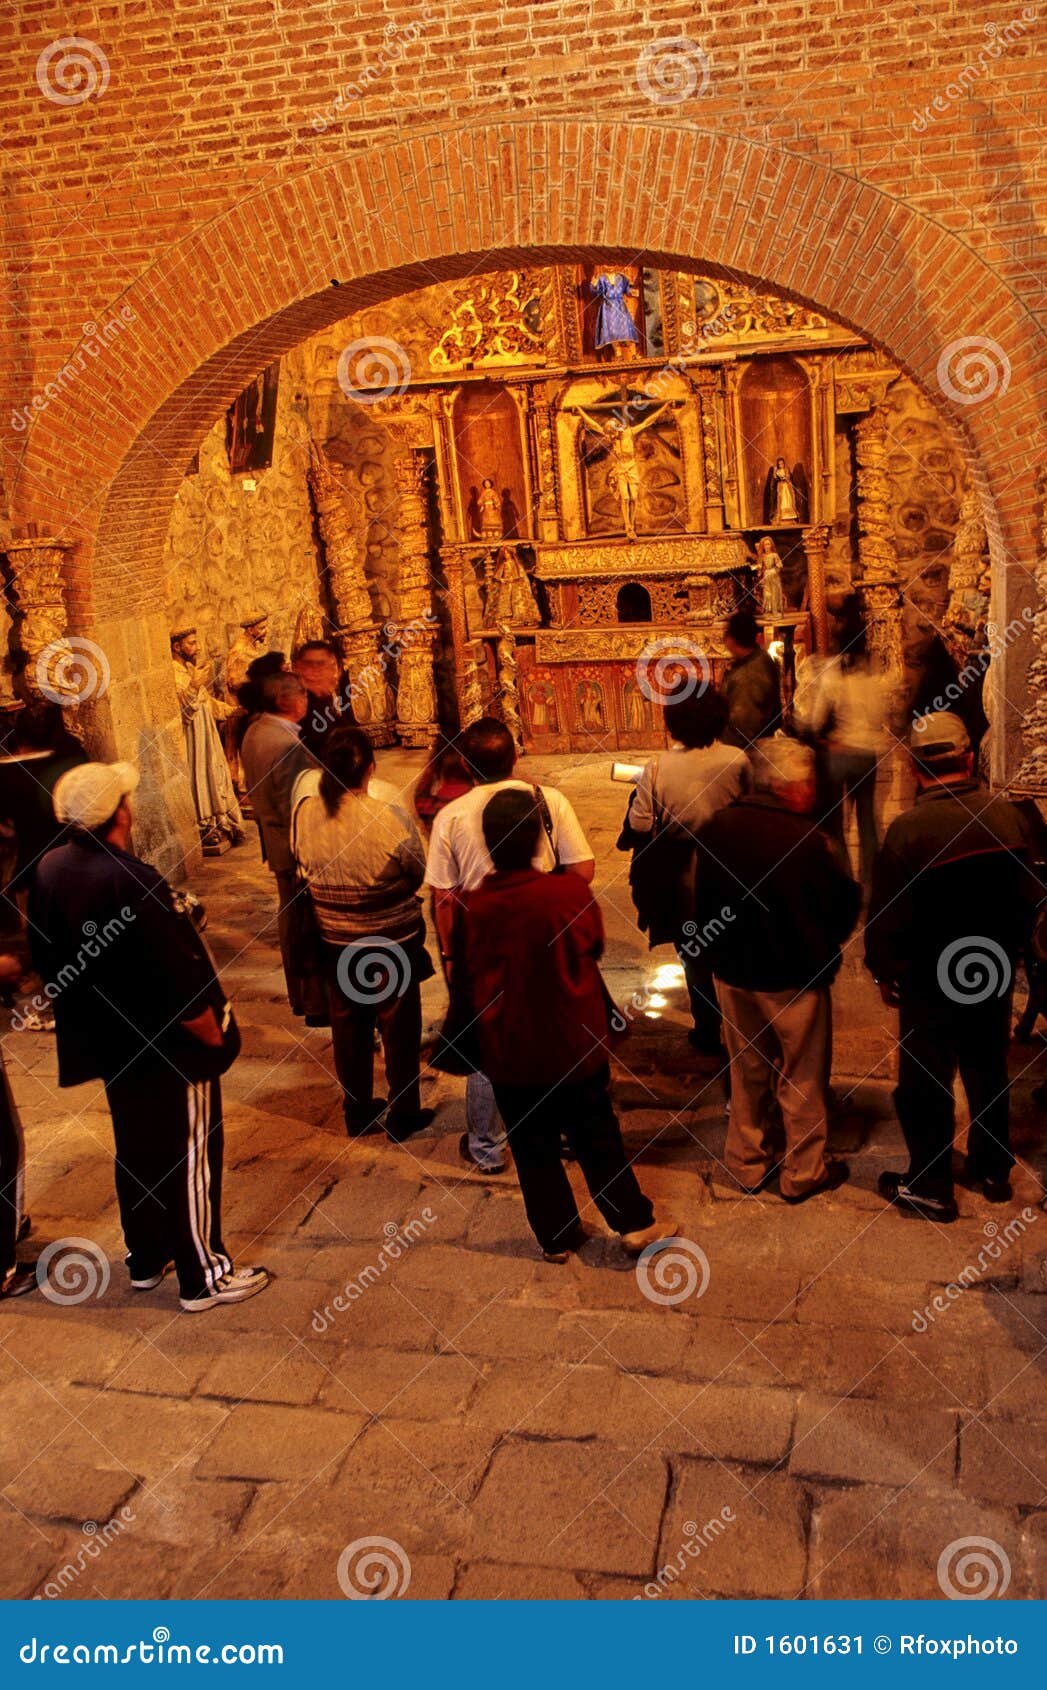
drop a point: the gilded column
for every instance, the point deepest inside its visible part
(968, 602)
(548, 505)
(508, 689)
(359, 635)
(416, 692)
(816, 549)
(877, 557)
(1033, 770)
(67, 672)
(714, 505)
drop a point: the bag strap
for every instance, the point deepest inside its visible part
(547, 822)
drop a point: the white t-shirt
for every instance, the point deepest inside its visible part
(458, 854)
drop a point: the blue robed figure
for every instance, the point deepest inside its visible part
(614, 320)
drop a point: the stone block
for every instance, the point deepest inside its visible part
(886, 1545)
(396, 1383)
(269, 1442)
(844, 1438)
(732, 1531)
(1005, 1460)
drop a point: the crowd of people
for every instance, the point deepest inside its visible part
(738, 858)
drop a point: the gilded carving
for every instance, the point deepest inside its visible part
(614, 645)
(416, 692)
(495, 319)
(712, 554)
(1033, 771)
(52, 667)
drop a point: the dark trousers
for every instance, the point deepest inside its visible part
(305, 992)
(705, 1011)
(937, 1038)
(852, 774)
(582, 1111)
(353, 1020)
(168, 1135)
(12, 1173)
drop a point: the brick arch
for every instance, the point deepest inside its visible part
(103, 462)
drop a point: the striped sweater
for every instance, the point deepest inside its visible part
(363, 868)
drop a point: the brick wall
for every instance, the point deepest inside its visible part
(882, 161)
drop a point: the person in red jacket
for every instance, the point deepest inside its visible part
(529, 948)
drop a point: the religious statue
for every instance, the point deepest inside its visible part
(488, 511)
(218, 814)
(614, 321)
(510, 596)
(252, 641)
(589, 698)
(769, 566)
(783, 494)
(625, 474)
(634, 708)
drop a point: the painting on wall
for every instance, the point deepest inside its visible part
(250, 424)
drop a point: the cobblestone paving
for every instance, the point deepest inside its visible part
(516, 1429)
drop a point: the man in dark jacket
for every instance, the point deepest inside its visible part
(529, 945)
(751, 686)
(774, 905)
(138, 1005)
(953, 901)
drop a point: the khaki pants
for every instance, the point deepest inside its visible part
(779, 1046)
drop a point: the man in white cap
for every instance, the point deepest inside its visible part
(953, 901)
(138, 1005)
(774, 904)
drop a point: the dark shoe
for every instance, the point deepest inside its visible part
(579, 1237)
(17, 1281)
(994, 1190)
(366, 1120)
(397, 1131)
(894, 1188)
(317, 1020)
(467, 1156)
(836, 1173)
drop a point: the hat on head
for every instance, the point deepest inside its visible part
(937, 737)
(89, 794)
(253, 620)
(181, 634)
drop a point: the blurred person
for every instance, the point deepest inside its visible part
(677, 793)
(141, 1009)
(775, 905)
(751, 685)
(214, 796)
(273, 758)
(848, 716)
(363, 864)
(459, 860)
(43, 750)
(444, 778)
(958, 859)
(529, 945)
(318, 667)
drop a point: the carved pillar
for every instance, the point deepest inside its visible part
(714, 505)
(359, 636)
(1033, 770)
(967, 601)
(416, 693)
(877, 558)
(508, 689)
(547, 514)
(65, 672)
(816, 548)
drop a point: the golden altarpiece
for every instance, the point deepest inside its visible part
(592, 463)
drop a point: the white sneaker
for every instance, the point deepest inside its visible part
(154, 1279)
(234, 1287)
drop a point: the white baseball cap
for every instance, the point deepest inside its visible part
(89, 794)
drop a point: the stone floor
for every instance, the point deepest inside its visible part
(792, 1427)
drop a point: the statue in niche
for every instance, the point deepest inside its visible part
(541, 699)
(625, 471)
(488, 519)
(614, 321)
(251, 642)
(218, 814)
(510, 596)
(784, 494)
(589, 699)
(769, 568)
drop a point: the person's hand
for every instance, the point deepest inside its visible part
(889, 993)
(205, 1028)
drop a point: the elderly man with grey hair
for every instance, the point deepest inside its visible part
(774, 905)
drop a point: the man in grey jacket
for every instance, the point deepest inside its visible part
(273, 757)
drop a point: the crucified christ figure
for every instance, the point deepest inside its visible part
(625, 472)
